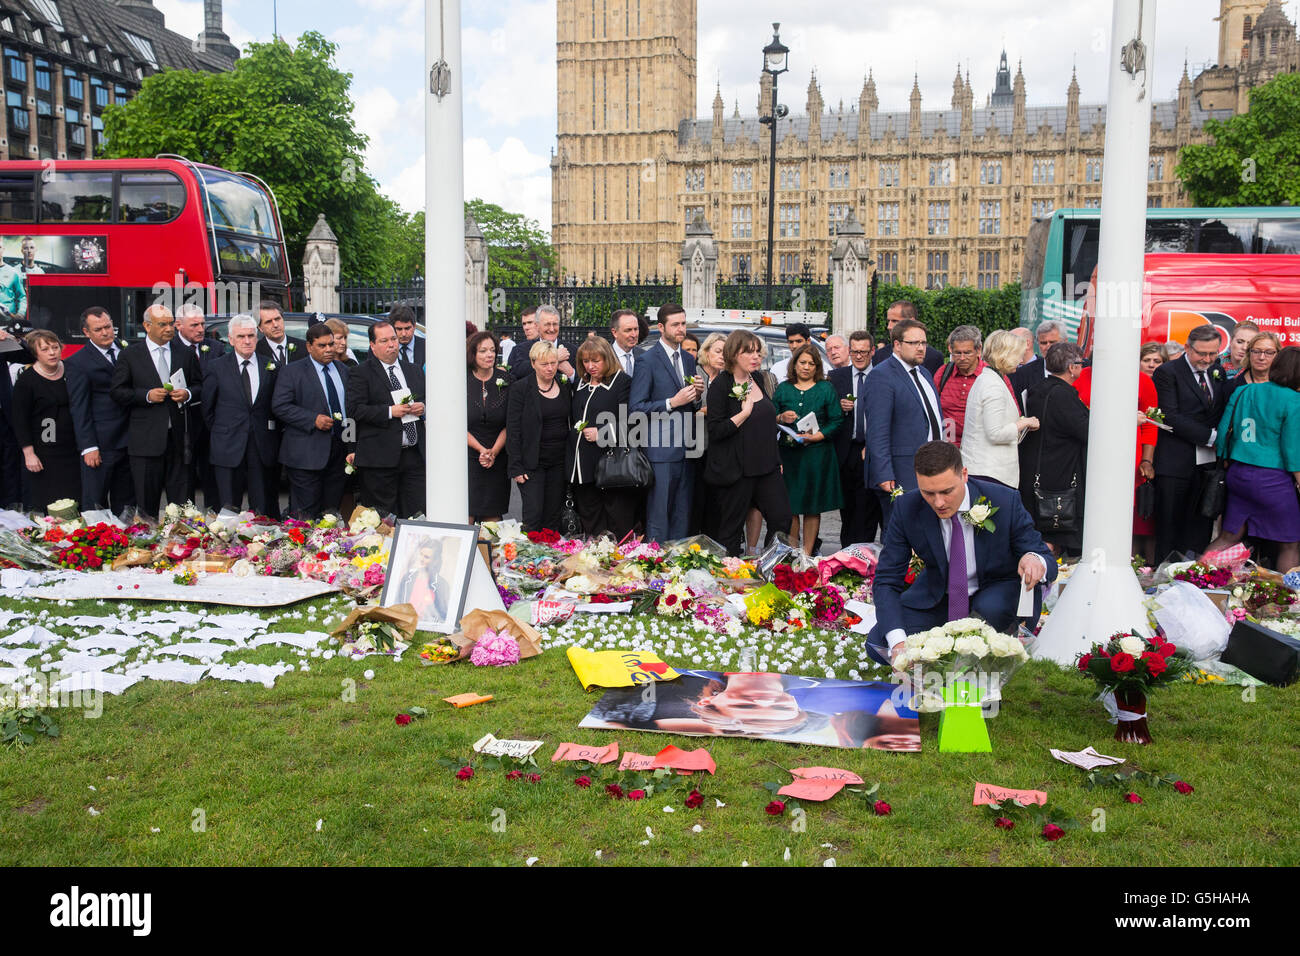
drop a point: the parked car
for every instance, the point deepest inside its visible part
(297, 323)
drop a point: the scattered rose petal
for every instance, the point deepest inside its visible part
(1004, 823)
(697, 829)
(531, 860)
(369, 675)
(599, 853)
(719, 803)
(320, 823)
(669, 810)
(787, 854)
(829, 861)
(92, 811)
(155, 830)
(650, 833)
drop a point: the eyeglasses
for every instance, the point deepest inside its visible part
(1263, 353)
(859, 351)
(915, 342)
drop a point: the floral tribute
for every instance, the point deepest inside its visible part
(1130, 663)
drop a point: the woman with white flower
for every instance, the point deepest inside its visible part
(603, 388)
(489, 485)
(537, 435)
(994, 424)
(52, 466)
(743, 463)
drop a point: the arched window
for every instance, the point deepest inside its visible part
(1245, 28)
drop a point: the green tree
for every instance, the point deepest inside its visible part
(1254, 159)
(283, 113)
(519, 250)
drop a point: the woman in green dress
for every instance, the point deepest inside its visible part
(811, 470)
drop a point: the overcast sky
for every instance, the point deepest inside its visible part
(509, 52)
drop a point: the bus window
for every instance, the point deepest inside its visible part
(1170, 235)
(150, 197)
(78, 197)
(1081, 237)
(239, 205)
(17, 198)
(1279, 237)
(1228, 236)
(59, 308)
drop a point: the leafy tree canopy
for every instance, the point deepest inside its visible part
(519, 250)
(1254, 159)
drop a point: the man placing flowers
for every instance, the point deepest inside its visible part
(978, 545)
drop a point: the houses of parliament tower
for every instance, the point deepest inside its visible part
(946, 196)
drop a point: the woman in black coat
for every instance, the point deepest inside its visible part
(603, 390)
(488, 385)
(743, 462)
(1056, 455)
(537, 437)
(42, 424)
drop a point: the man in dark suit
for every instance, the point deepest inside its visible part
(861, 512)
(190, 339)
(517, 361)
(410, 347)
(244, 439)
(666, 391)
(309, 403)
(1049, 332)
(1192, 392)
(984, 577)
(898, 312)
(154, 386)
(389, 451)
(902, 414)
(99, 421)
(275, 344)
(548, 330)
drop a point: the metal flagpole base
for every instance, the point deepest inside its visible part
(1100, 599)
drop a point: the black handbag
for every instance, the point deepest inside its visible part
(1057, 512)
(1144, 501)
(570, 523)
(1214, 491)
(624, 468)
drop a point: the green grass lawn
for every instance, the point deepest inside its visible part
(261, 766)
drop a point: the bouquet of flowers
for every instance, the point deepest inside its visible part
(964, 650)
(1131, 663)
(1203, 576)
(495, 649)
(1259, 597)
(88, 549)
(770, 607)
(186, 578)
(65, 509)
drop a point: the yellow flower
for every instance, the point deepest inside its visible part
(695, 547)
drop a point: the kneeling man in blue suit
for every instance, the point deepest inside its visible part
(982, 577)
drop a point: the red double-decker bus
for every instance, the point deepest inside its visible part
(125, 233)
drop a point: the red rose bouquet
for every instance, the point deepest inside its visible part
(1133, 663)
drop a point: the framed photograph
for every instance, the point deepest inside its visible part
(429, 568)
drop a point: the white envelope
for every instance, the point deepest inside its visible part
(178, 379)
(808, 424)
(398, 395)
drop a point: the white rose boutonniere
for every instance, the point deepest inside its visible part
(980, 516)
(738, 392)
(270, 366)
(564, 379)
(293, 347)
(500, 383)
(205, 348)
(1217, 374)
(896, 493)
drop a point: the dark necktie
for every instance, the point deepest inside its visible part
(279, 350)
(112, 355)
(406, 353)
(677, 368)
(858, 408)
(332, 396)
(248, 382)
(958, 595)
(410, 436)
(935, 433)
(1205, 387)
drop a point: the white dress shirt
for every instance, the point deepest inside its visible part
(626, 360)
(668, 402)
(396, 369)
(927, 384)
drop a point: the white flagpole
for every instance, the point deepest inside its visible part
(1102, 596)
(446, 476)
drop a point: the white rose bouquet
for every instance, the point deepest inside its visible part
(966, 650)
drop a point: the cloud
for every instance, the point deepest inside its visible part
(510, 66)
(186, 18)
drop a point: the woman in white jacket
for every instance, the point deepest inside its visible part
(994, 425)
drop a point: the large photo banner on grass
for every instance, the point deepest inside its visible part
(786, 707)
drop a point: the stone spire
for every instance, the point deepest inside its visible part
(867, 102)
(718, 107)
(914, 121)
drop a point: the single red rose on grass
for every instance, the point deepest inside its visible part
(882, 808)
(775, 808)
(583, 782)
(1131, 797)
(534, 778)
(464, 773)
(1183, 787)
(1052, 832)
(636, 794)
(1122, 663)
(402, 719)
(1004, 823)
(514, 774)
(694, 799)
(614, 790)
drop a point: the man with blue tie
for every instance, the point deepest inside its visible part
(99, 422)
(970, 568)
(860, 515)
(902, 413)
(665, 390)
(625, 330)
(309, 402)
(244, 440)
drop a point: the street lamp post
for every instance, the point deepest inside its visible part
(775, 62)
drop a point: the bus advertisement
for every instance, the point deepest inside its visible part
(1230, 251)
(125, 234)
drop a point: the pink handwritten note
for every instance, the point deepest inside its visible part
(680, 759)
(633, 761)
(588, 753)
(986, 793)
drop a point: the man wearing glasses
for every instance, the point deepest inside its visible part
(902, 414)
(897, 312)
(860, 515)
(1192, 392)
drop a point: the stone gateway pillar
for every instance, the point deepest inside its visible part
(320, 268)
(850, 276)
(699, 267)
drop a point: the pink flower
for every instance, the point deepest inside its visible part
(495, 650)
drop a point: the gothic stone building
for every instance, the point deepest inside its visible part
(66, 60)
(946, 195)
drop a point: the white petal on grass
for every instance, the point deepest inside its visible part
(531, 860)
(697, 829)
(829, 861)
(320, 823)
(92, 811)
